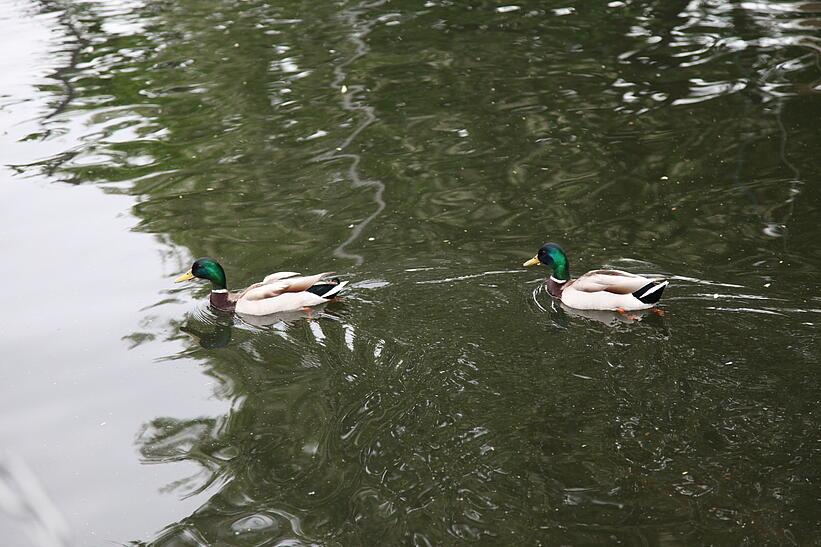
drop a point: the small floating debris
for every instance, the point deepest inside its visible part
(507, 9)
(316, 135)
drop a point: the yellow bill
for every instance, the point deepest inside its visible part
(532, 262)
(184, 277)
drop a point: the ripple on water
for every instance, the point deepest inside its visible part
(446, 399)
(257, 523)
(699, 47)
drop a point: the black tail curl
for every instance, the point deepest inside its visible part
(651, 293)
(320, 289)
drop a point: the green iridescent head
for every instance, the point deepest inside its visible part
(206, 268)
(552, 256)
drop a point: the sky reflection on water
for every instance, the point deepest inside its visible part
(422, 151)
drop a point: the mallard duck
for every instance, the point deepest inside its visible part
(612, 290)
(278, 292)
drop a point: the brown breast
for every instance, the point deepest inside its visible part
(555, 289)
(223, 300)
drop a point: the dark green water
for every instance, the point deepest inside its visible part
(423, 150)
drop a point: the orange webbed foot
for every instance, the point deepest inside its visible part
(623, 312)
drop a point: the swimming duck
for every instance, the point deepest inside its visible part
(278, 292)
(612, 290)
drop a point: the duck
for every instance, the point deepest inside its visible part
(276, 293)
(606, 290)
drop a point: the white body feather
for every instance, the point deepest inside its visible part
(276, 276)
(281, 292)
(608, 290)
(288, 301)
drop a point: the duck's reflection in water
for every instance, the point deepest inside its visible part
(215, 331)
(610, 318)
(217, 335)
(283, 318)
(561, 314)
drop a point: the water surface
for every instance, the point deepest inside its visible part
(423, 151)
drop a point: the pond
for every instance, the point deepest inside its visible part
(423, 151)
